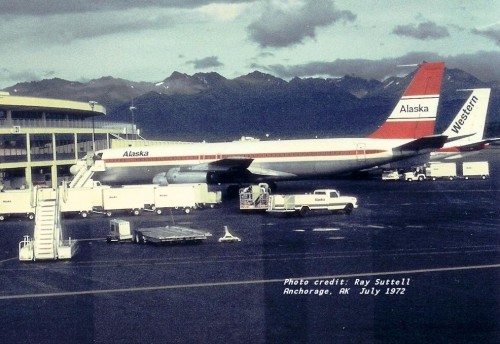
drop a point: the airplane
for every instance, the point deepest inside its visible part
(407, 132)
(465, 132)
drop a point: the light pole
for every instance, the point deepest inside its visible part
(132, 108)
(92, 103)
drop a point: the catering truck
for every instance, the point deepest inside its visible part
(324, 199)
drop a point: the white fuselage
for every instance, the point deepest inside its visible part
(272, 160)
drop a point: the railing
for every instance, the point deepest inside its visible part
(66, 123)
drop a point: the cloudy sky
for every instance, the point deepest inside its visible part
(146, 40)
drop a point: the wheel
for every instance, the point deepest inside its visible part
(139, 239)
(2, 217)
(483, 177)
(303, 211)
(450, 178)
(187, 210)
(467, 178)
(158, 211)
(348, 209)
(408, 180)
(420, 178)
(84, 214)
(136, 212)
(31, 216)
(108, 213)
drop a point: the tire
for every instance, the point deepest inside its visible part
(187, 210)
(136, 212)
(483, 177)
(303, 211)
(420, 179)
(451, 178)
(2, 217)
(348, 209)
(108, 213)
(158, 211)
(84, 214)
(31, 216)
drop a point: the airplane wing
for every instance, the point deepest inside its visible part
(222, 165)
(235, 165)
(270, 173)
(423, 143)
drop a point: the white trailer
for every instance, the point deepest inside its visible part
(17, 202)
(325, 199)
(441, 170)
(202, 196)
(176, 196)
(81, 201)
(476, 169)
(132, 198)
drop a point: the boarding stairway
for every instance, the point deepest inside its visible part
(87, 169)
(47, 242)
(47, 228)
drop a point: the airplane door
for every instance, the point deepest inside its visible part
(361, 152)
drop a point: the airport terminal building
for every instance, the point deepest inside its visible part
(40, 138)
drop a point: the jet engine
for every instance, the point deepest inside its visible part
(178, 176)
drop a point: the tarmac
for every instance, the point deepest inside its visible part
(416, 262)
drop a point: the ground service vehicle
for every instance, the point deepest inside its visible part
(325, 199)
(476, 169)
(255, 197)
(17, 202)
(441, 170)
(120, 230)
(391, 175)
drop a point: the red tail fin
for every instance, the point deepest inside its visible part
(415, 114)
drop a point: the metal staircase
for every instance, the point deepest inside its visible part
(47, 228)
(82, 177)
(47, 242)
(88, 167)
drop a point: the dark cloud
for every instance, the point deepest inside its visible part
(482, 64)
(207, 62)
(282, 27)
(8, 75)
(492, 33)
(67, 28)
(50, 7)
(423, 31)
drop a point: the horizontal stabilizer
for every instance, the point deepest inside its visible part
(424, 143)
(479, 145)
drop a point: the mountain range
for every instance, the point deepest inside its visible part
(207, 106)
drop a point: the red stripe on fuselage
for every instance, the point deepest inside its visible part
(404, 129)
(249, 156)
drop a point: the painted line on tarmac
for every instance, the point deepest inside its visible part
(237, 283)
(9, 259)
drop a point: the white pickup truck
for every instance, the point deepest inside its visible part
(324, 199)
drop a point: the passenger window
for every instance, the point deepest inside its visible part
(333, 195)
